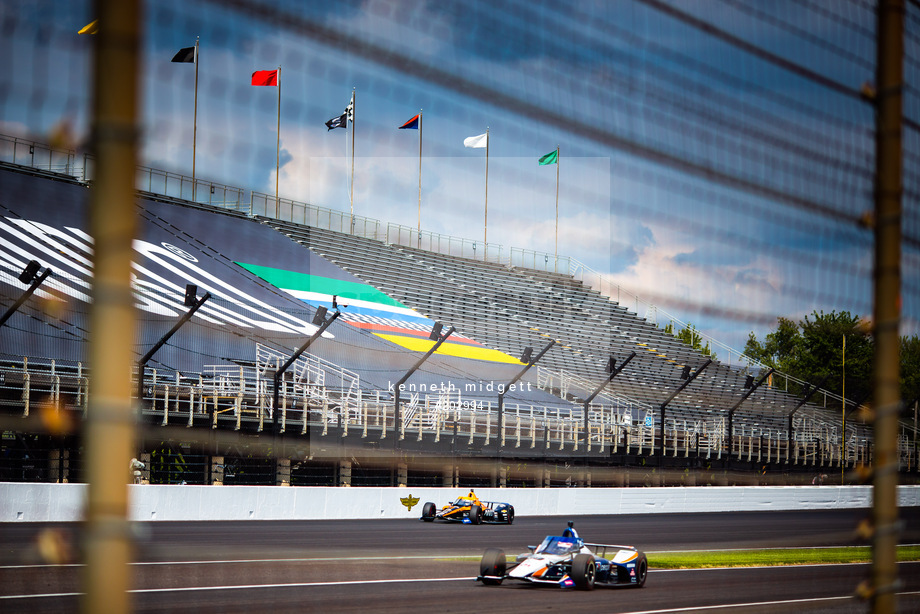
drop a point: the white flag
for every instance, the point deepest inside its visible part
(477, 141)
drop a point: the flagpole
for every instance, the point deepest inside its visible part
(351, 196)
(195, 124)
(556, 265)
(485, 228)
(843, 413)
(420, 178)
(278, 148)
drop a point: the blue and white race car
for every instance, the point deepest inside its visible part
(567, 561)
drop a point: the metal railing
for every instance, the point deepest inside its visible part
(288, 210)
(397, 234)
(39, 156)
(224, 396)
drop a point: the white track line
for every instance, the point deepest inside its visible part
(250, 561)
(190, 589)
(754, 604)
(399, 581)
(425, 556)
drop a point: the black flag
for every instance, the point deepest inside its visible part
(186, 54)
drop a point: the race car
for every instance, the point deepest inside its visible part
(470, 510)
(567, 561)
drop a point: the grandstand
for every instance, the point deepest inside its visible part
(669, 408)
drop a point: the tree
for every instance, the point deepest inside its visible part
(813, 349)
(692, 337)
(910, 372)
(779, 349)
(824, 356)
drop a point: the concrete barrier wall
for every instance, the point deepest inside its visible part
(26, 502)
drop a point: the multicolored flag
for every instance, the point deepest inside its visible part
(412, 124)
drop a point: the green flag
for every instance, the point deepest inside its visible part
(550, 158)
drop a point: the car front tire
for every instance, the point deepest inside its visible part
(475, 515)
(493, 563)
(584, 571)
(429, 511)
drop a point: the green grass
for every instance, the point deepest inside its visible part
(756, 558)
(698, 559)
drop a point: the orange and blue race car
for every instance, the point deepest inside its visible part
(470, 510)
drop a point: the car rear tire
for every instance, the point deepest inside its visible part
(584, 571)
(475, 514)
(492, 564)
(641, 571)
(429, 512)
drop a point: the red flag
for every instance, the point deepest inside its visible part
(265, 77)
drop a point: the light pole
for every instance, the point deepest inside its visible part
(438, 338)
(191, 300)
(30, 276)
(319, 319)
(526, 358)
(612, 372)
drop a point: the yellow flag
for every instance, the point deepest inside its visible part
(90, 28)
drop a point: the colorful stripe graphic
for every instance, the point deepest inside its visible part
(367, 308)
(451, 349)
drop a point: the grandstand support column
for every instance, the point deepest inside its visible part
(145, 472)
(612, 372)
(447, 476)
(217, 471)
(691, 376)
(282, 472)
(525, 358)
(109, 434)
(344, 473)
(59, 464)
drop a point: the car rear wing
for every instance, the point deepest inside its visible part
(601, 549)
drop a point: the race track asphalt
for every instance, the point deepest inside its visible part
(410, 566)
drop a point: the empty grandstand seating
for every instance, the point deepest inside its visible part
(505, 307)
(509, 308)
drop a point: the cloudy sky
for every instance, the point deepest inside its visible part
(717, 172)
